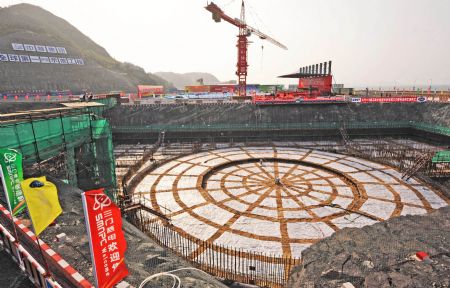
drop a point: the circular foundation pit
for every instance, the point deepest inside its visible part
(278, 201)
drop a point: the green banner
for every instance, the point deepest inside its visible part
(12, 174)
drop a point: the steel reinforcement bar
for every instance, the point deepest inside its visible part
(264, 270)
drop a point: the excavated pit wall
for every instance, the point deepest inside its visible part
(140, 116)
(124, 115)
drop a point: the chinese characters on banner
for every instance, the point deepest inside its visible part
(39, 59)
(147, 90)
(107, 241)
(388, 99)
(12, 174)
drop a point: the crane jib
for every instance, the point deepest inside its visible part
(244, 32)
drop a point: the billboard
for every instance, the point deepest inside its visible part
(321, 83)
(222, 88)
(292, 98)
(392, 99)
(270, 88)
(197, 89)
(148, 90)
(39, 59)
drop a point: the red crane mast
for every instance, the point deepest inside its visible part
(244, 32)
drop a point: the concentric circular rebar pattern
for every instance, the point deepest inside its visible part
(278, 200)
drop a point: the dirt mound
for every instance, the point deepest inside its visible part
(379, 255)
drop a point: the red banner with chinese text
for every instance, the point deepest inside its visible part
(107, 241)
(388, 99)
(148, 90)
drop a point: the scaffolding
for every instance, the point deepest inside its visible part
(72, 144)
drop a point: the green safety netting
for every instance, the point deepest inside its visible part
(84, 141)
(108, 103)
(432, 128)
(441, 157)
(276, 126)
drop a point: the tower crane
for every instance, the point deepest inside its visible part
(245, 31)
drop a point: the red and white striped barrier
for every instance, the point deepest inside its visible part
(36, 273)
(27, 263)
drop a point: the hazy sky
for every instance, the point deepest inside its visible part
(371, 42)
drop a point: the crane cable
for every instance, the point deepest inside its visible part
(262, 56)
(228, 4)
(177, 280)
(256, 17)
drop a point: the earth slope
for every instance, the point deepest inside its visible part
(29, 24)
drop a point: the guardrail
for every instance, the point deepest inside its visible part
(36, 273)
(29, 255)
(264, 270)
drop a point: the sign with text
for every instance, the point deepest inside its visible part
(18, 46)
(106, 238)
(39, 59)
(392, 99)
(38, 48)
(147, 90)
(322, 83)
(12, 174)
(29, 48)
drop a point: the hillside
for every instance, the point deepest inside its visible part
(99, 72)
(180, 80)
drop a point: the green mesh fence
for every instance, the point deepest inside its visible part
(108, 104)
(84, 141)
(436, 129)
(285, 126)
(441, 157)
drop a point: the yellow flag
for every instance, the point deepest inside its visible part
(42, 201)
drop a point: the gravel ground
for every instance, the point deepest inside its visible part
(10, 274)
(143, 257)
(379, 255)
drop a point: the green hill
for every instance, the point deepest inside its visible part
(29, 24)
